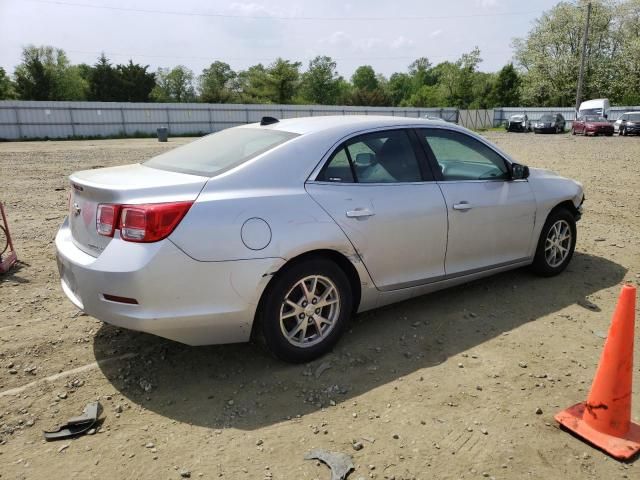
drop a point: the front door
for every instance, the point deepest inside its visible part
(490, 217)
(378, 192)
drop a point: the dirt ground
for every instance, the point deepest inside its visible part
(458, 384)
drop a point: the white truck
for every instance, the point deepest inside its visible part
(599, 106)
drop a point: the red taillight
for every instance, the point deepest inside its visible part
(107, 219)
(142, 223)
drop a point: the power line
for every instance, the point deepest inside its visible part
(279, 17)
(253, 59)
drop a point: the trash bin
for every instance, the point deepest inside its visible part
(163, 134)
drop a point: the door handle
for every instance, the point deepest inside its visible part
(360, 213)
(463, 206)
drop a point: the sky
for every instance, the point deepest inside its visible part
(387, 35)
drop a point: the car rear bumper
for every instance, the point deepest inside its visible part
(197, 303)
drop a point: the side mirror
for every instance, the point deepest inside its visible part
(519, 172)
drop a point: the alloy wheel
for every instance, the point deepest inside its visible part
(310, 311)
(557, 243)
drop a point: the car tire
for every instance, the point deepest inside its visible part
(281, 324)
(573, 131)
(554, 250)
(623, 132)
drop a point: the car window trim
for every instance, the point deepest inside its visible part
(426, 172)
(435, 166)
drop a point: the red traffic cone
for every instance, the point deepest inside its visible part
(604, 420)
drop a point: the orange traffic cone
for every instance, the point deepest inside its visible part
(604, 419)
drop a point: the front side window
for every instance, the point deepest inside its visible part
(633, 117)
(461, 157)
(381, 157)
(220, 151)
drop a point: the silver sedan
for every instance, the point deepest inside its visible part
(283, 230)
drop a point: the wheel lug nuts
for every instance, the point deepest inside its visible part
(314, 301)
(304, 304)
(317, 310)
(302, 315)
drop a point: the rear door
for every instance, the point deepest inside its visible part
(377, 188)
(490, 217)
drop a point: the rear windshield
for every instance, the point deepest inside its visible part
(634, 117)
(220, 151)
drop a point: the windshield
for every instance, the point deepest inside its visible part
(517, 118)
(215, 153)
(591, 111)
(547, 118)
(595, 118)
(634, 117)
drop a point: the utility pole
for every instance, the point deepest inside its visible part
(583, 54)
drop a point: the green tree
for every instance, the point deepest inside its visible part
(214, 83)
(625, 84)
(421, 72)
(400, 88)
(104, 81)
(550, 54)
(321, 83)
(174, 85)
(505, 91)
(282, 80)
(364, 78)
(427, 96)
(136, 83)
(467, 66)
(250, 85)
(482, 89)
(46, 74)
(369, 89)
(7, 88)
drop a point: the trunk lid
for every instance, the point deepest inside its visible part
(128, 184)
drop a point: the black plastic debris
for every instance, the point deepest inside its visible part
(341, 464)
(77, 425)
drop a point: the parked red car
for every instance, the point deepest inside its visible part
(592, 125)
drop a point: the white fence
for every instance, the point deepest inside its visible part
(31, 119)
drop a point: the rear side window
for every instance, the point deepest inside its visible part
(338, 169)
(220, 151)
(380, 157)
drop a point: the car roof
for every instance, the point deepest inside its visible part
(348, 123)
(595, 103)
